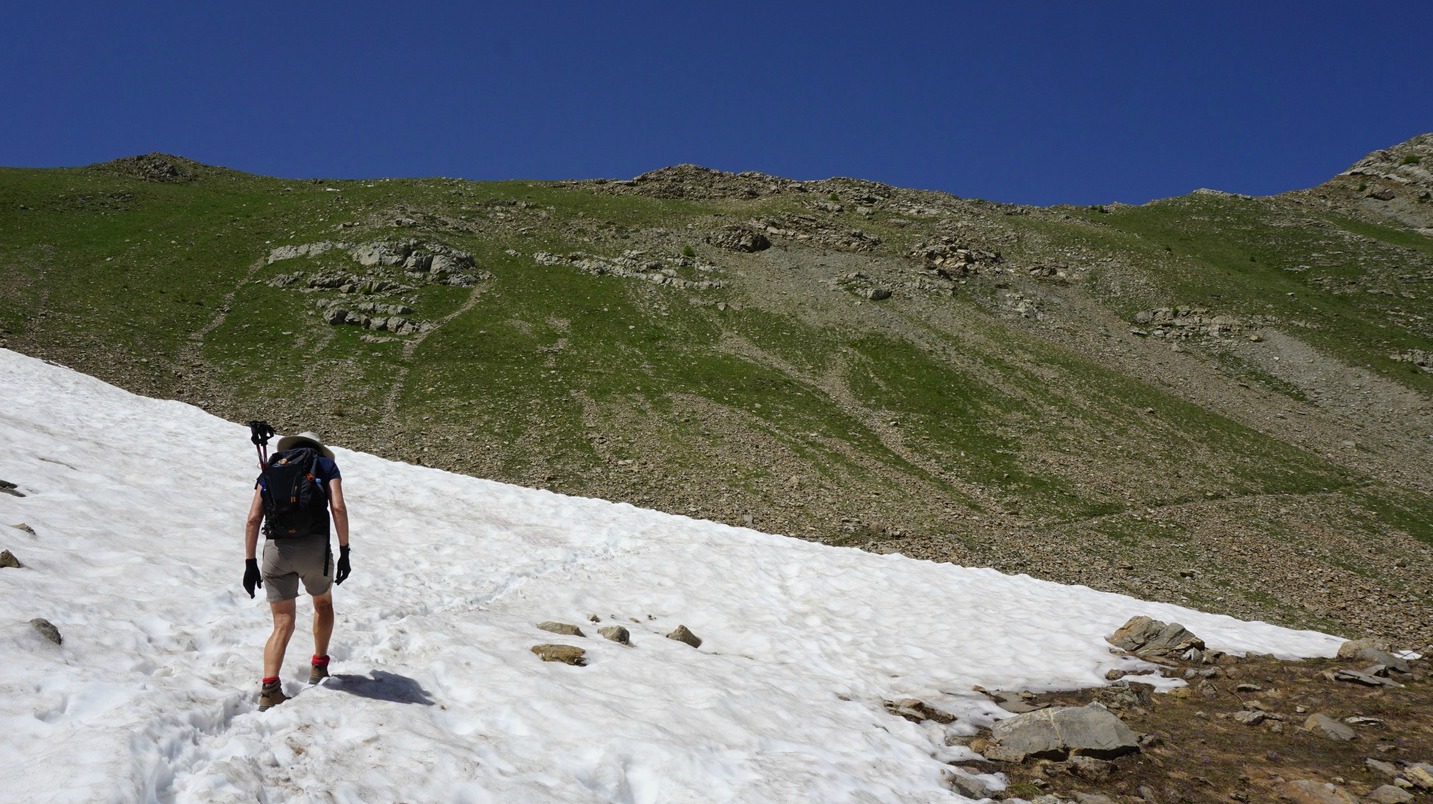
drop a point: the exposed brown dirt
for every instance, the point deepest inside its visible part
(1196, 751)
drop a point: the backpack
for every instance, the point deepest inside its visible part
(295, 501)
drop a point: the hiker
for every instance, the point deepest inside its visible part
(295, 522)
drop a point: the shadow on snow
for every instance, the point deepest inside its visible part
(381, 685)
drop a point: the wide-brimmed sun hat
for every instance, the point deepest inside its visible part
(304, 439)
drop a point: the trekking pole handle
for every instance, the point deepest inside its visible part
(260, 433)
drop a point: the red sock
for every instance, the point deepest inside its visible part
(270, 680)
(320, 661)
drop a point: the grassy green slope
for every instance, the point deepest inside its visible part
(934, 416)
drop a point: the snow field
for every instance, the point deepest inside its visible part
(138, 507)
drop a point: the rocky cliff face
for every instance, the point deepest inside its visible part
(1392, 185)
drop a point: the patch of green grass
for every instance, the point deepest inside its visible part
(1398, 508)
(1245, 257)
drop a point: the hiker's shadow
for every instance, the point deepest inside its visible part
(381, 685)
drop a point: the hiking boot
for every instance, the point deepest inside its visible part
(271, 695)
(318, 669)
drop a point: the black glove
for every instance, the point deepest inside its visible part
(252, 578)
(343, 566)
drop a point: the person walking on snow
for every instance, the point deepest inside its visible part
(296, 548)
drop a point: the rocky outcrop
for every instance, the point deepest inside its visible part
(442, 263)
(1408, 164)
(697, 182)
(154, 167)
(813, 230)
(1179, 323)
(418, 261)
(9, 561)
(630, 265)
(951, 260)
(1419, 357)
(374, 316)
(739, 238)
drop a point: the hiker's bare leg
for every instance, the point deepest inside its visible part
(322, 623)
(279, 639)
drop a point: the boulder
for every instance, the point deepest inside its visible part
(1386, 768)
(562, 628)
(967, 786)
(682, 634)
(567, 654)
(1319, 723)
(1388, 794)
(1388, 660)
(1420, 774)
(1060, 732)
(46, 629)
(1147, 637)
(1307, 791)
(1250, 718)
(9, 561)
(1355, 677)
(1351, 648)
(617, 634)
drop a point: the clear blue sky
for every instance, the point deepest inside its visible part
(1030, 102)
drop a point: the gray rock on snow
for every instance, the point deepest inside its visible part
(917, 711)
(567, 654)
(46, 629)
(617, 634)
(566, 629)
(9, 561)
(682, 634)
(1147, 637)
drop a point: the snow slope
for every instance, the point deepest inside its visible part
(137, 507)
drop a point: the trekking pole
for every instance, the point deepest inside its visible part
(260, 433)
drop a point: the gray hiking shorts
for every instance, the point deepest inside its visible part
(288, 561)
